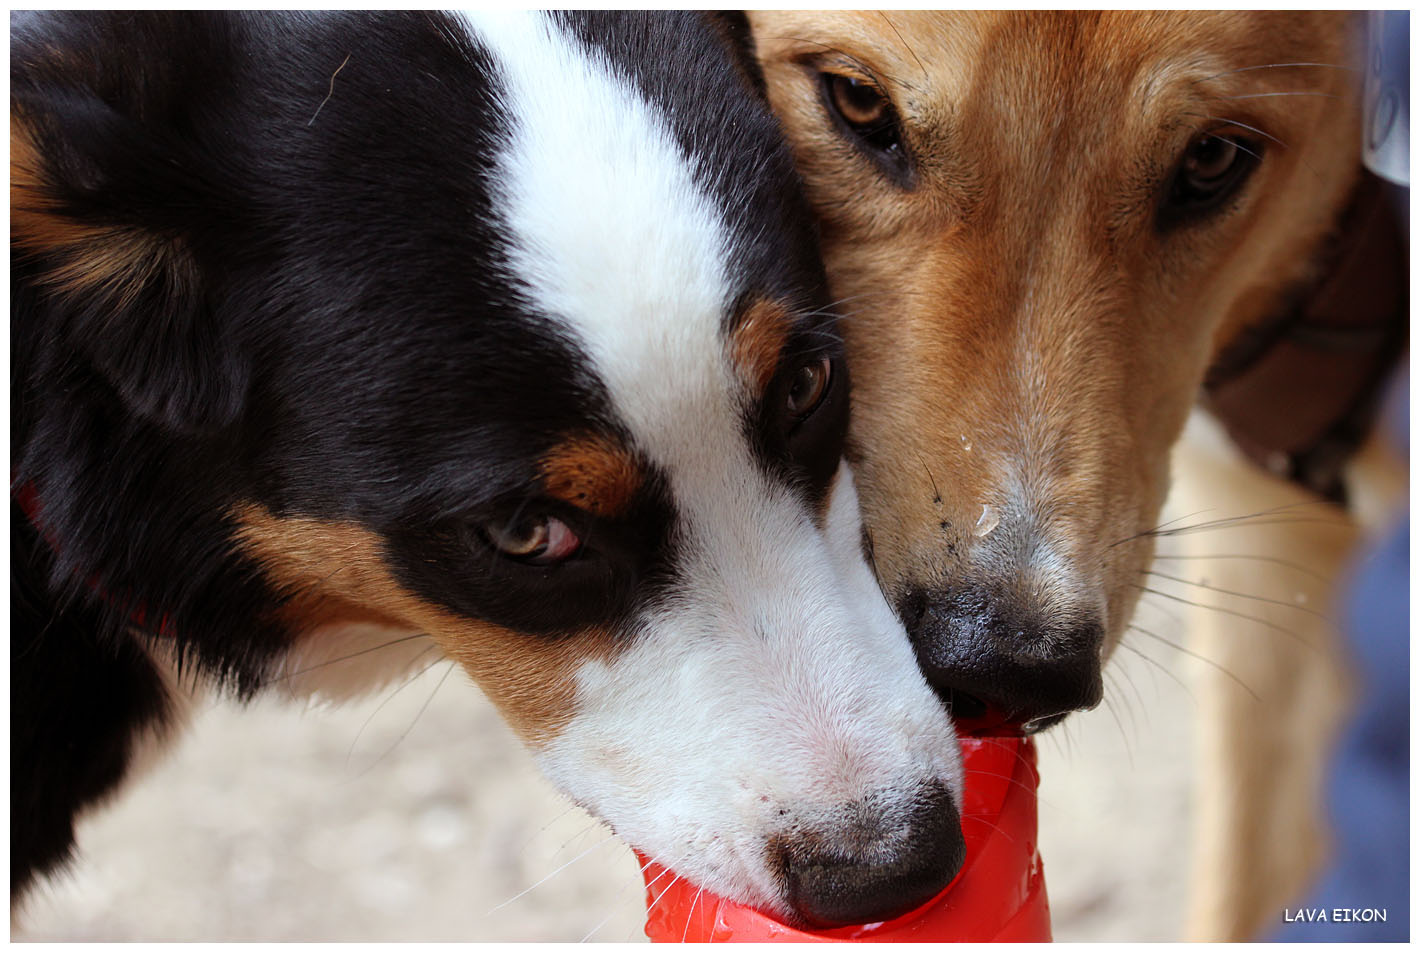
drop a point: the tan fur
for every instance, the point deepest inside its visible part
(530, 678)
(82, 258)
(757, 343)
(1022, 331)
(593, 472)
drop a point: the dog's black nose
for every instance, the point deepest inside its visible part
(868, 868)
(982, 654)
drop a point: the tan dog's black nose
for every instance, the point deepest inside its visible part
(873, 865)
(989, 658)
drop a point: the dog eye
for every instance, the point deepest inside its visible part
(807, 388)
(866, 115)
(1210, 169)
(859, 103)
(539, 540)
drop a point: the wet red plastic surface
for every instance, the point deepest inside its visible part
(999, 894)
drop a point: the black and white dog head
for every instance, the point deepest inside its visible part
(507, 329)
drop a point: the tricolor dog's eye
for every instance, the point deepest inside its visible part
(807, 387)
(1211, 169)
(539, 540)
(865, 115)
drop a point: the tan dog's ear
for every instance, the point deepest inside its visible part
(112, 206)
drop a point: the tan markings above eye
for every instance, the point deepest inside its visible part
(593, 472)
(758, 341)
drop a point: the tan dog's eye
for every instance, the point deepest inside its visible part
(857, 102)
(807, 387)
(1211, 169)
(866, 117)
(1209, 159)
(540, 540)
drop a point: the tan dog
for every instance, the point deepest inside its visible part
(1046, 228)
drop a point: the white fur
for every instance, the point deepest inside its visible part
(612, 232)
(782, 682)
(776, 679)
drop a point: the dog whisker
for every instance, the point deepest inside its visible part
(1249, 69)
(1238, 145)
(977, 773)
(578, 836)
(1264, 134)
(1231, 612)
(1303, 92)
(1165, 611)
(545, 827)
(674, 880)
(982, 819)
(1179, 519)
(1189, 652)
(1160, 666)
(346, 658)
(1128, 678)
(496, 560)
(601, 843)
(1248, 523)
(1123, 737)
(1249, 519)
(417, 715)
(654, 879)
(1242, 125)
(390, 697)
(617, 898)
(693, 902)
(1241, 595)
(1288, 564)
(879, 293)
(904, 43)
(824, 334)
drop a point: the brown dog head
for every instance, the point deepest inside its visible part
(1043, 226)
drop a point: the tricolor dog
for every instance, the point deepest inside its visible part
(1050, 229)
(501, 333)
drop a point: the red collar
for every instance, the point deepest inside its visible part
(28, 499)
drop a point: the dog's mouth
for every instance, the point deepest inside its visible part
(976, 718)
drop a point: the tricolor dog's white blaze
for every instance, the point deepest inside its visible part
(776, 684)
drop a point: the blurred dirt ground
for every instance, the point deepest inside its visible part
(416, 816)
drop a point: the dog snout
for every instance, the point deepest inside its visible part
(987, 658)
(869, 864)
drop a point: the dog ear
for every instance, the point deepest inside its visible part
(733, 27)
(114, 208)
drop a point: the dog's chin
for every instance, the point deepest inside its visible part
(836, 852)
(820, 876)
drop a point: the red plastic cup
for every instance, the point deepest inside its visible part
(999, 893)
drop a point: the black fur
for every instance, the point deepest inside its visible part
(314, 315)
(92, 694)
